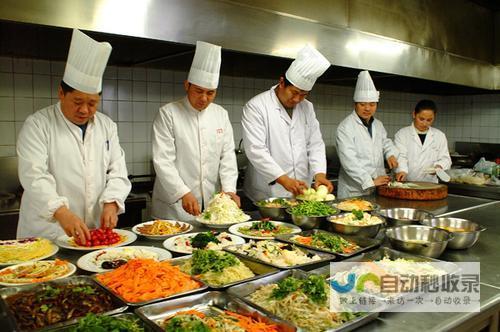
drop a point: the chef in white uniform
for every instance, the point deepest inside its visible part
(422, 148)
(281, 134)
(362, 144)
(71, 165)
(193, 145)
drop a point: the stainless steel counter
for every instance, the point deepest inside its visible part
(486, 251)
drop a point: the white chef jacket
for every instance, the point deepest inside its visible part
(57, 167)
(361, 155)
(415, 158)
(276, 144)
(192, 152)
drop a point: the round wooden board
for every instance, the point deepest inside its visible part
(426, 191)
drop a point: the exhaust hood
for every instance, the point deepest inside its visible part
(438, 47)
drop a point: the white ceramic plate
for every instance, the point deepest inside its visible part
(161, 237)
(67, 242)
(72, 269)
(53, 251)
(235, 230)
(171, 245)
(203, 222)
(86, 262)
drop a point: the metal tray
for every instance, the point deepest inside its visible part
(128, 315)
(135, 304)
(363, 242)
(325, 257)
(118, 304)
(260, 270)
(155, 314)
(244, 290)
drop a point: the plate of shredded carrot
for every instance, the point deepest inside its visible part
(143, 281)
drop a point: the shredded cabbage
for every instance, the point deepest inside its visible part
(222, 210)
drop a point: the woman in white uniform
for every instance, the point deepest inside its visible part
(193, 145)
(362, 144)
(422, 148)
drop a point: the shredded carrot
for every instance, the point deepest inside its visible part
(191, 312)
(252, 324)
(305, 239)
(145, 279)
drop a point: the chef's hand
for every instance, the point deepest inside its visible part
(235, 198)
(320, 179)
(392, 162)
(292, 185)
(109, 216)
(381, 180)
(72, 225)
(190, 204)
(401, 176)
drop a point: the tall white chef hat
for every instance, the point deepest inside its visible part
(87, 60)
(365, 89)
(206, 65)
(306, 68)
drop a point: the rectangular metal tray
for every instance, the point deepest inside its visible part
(136, 304)
(325, 257)
(129, 315)
(363, 242)
(260, 270)
(156, 313)
(244, 290)
(119, 305)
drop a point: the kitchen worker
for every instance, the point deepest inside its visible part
(281, 134)
(193, 145)
(422, 148)
(71, 165)
(362, 144)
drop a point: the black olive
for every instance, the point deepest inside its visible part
(287, 247)
(108, 265)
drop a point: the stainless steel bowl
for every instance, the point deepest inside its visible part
(308, 222)
(461, 240)
(275, 213)
(419, 239)
(367, 231)
(403, 216)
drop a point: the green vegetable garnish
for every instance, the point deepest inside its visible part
(201, 240)
(312, 209)
(211, 260)
(358, 214)
(263, 225)
(186, 323)
(333, 242)
(84, 289)
(313, 286)
(98, 323)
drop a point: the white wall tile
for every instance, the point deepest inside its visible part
(142, 132)
(139, 111)
(153, 75)
(57, 68)
(125, 111)
(6, 64)
(6, 84)
(42, 86)
(111, 72)
(7, 151)
(124, 73)
(139, 74)
(6, 109)
(23, 85)
(125, 132)
(154, 91)
(41, 67)
(22, 65)
(139, 90)
(110, 89)
(167, 76)
(55, 83)
(22, 108)
(110, 108)
(151, 110)
(142, 153)
(39, 103)
(124, 90)
(7, 133)
(128, 149)
(141, 168)
(166, 92)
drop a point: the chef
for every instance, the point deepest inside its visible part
(362, 144)
(281, 134)
(193, 146)
(71, 165)
(422, 148)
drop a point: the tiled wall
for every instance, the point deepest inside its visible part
(132, 96)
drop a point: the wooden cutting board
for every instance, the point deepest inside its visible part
(420, 191)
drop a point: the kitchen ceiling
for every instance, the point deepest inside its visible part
(51, 43)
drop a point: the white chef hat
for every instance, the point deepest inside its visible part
(365, 89)
(87, 60)
(306, 68)
(206, 65)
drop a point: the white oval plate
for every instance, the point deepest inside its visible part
(161, 237)
(72, 269)
(67, 242)
(54, 250)
(86, 262)
(170, 242)
(235, 229)
(203, 222)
